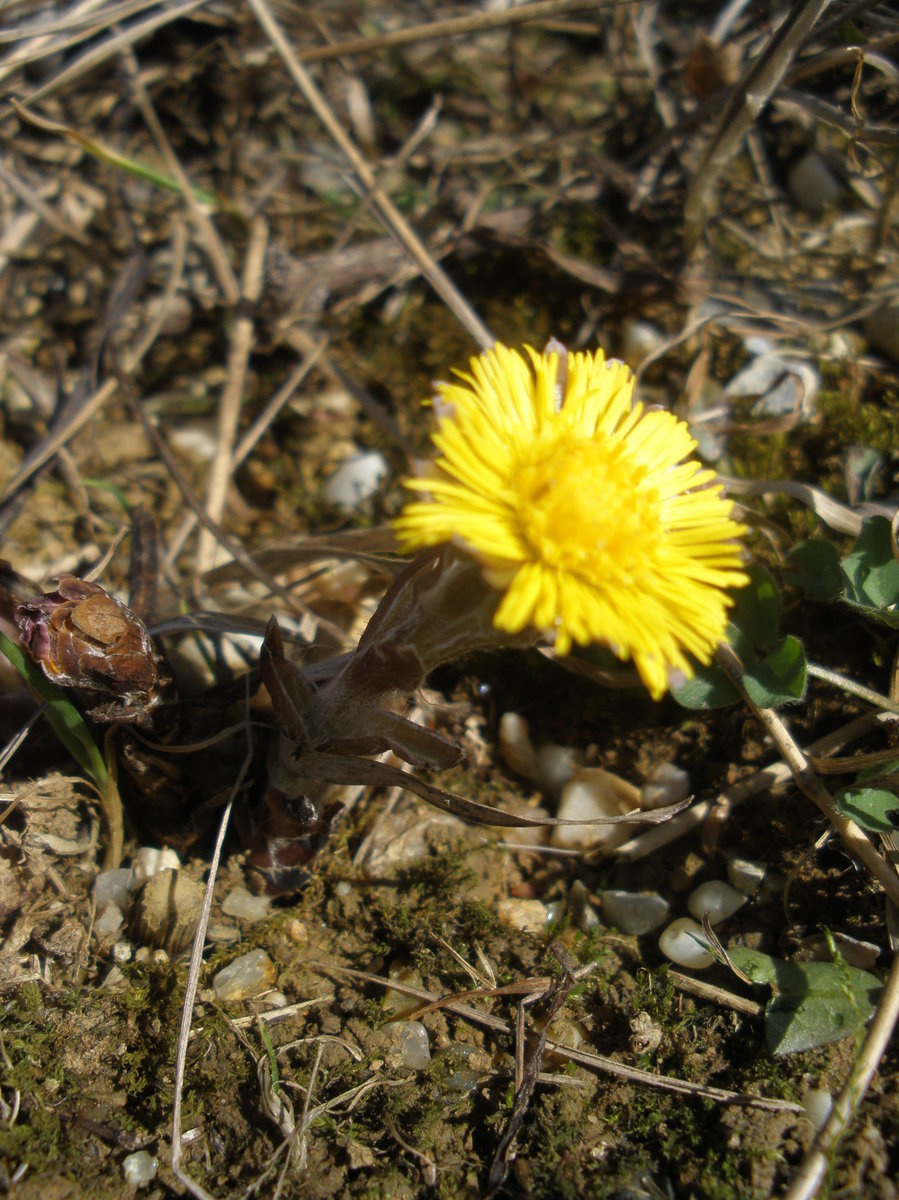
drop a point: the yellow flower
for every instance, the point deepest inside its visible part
(580, 506)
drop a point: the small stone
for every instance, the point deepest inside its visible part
(567, 1032)
(554, 766)
(401, 1003)
(582, 911)
(166, 911)
(757, 377)
(109, 922)
(296, 931)
(245, 906)
(514, 745)
(593, 793)
(222, 933)
(356, 480)
(665, 784)
(115, 980)
(196, 440)
(635, 912)
(715, 899)
(862, 955)
(122, 952)
(746, 875)
(396, 843)
(411, 1040)
(112, 887)
(795, 395)
(247, 976)
(139, 1168)
(685, 943)
(639, 340)
(818, 1106)
(150, 860)
(462, 1071)
(812, 183)
(530, 916)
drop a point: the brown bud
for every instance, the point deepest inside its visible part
(82, 637)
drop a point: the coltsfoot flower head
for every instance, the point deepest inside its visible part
(581, 506)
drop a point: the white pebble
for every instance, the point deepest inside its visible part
(109, 922)
(590, 794)
(413, 1045)
(528, 915)
(685, 943)
(554, 767)
(139, 1168)
(275, 1000)
(665, 784)
(635, 912)
(746, 875)
(514, 745)
(246, 976)
(356, 480)
(197, 440)
(150, 860)
(112, 887)
(716, 899)
(245, 906)
(122, 952)
(818, 1106)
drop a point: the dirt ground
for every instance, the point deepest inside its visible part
(238, 243)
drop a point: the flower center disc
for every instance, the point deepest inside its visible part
(583, 506)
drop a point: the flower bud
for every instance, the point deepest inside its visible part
(81, 637)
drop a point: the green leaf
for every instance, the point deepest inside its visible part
(756, 614)
(709, 688)
(815, 569)
(771, 679)
(869, 807)
(812, 1004)
(63, 717)
(777, 677)
(872, 572)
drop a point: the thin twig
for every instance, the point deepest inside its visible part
(193, 980)
(392, 218)
(596, 1062)
(480, 22)
(748, 98)
(222, 466)
(853, 688)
